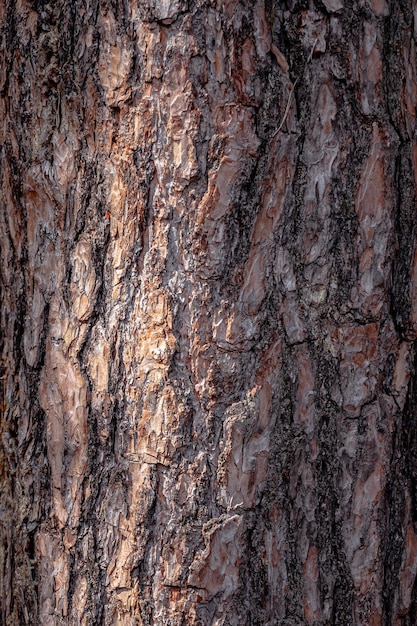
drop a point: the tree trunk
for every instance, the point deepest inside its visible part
(209, 313)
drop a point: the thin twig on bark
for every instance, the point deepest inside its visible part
(287, 108)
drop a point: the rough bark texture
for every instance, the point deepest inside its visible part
(209, 312)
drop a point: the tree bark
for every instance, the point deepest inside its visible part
(209, 313)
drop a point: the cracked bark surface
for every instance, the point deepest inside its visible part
(209, 313)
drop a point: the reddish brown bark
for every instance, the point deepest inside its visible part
(209, 313)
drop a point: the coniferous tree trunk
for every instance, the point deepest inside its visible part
(209, 312)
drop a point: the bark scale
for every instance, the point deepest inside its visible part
(209, 312)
